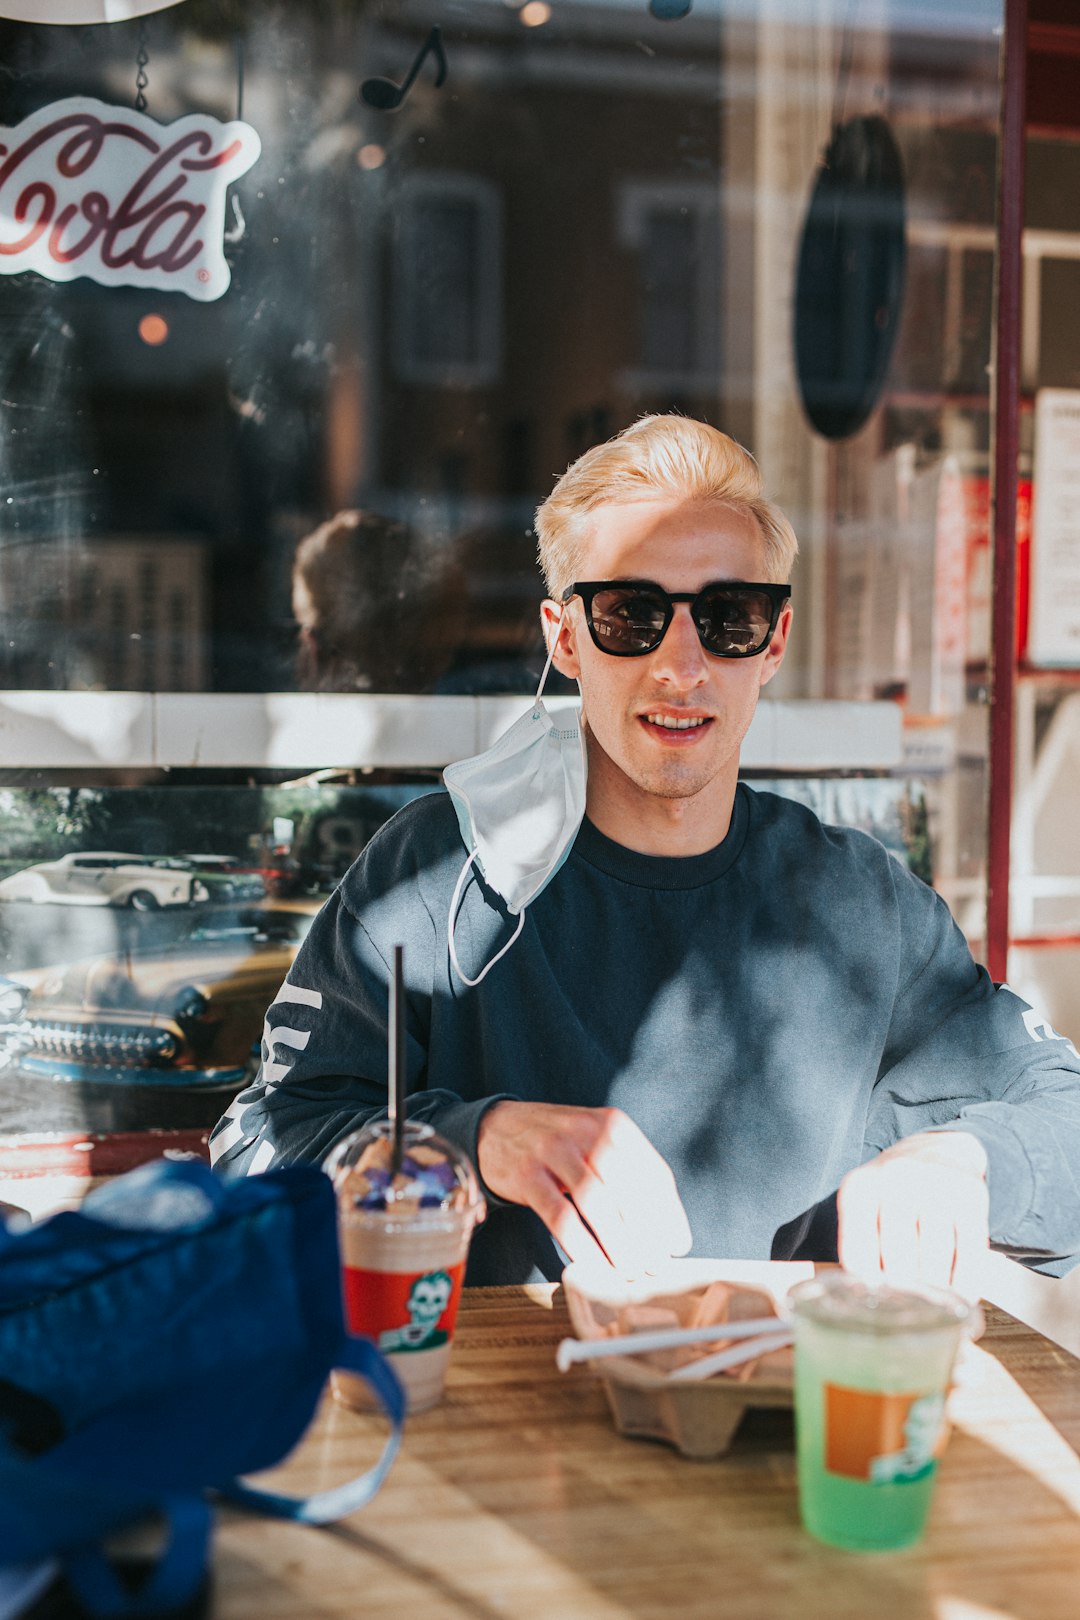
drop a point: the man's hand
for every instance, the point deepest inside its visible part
(918, 1213)
(582, 1168)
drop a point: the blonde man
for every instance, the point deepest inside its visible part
(718, 1012)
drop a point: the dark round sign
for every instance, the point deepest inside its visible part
(849, 287)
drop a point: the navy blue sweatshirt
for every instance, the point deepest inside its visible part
(771, 1014)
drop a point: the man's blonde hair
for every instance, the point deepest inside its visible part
(657, 456)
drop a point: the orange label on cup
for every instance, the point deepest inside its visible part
(403, 1310)
(880, 1437)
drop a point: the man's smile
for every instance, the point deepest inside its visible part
(671, 727)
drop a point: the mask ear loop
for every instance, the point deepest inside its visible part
(455, 906)
(551, 654)
(554, 645)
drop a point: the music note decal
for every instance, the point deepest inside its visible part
(670, 10)
(388, 96)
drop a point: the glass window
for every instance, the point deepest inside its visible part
(322, 482)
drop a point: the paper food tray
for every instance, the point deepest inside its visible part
(698, 1419)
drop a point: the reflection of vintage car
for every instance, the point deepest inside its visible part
(158, 1037)
(105, 878)
(227, 877)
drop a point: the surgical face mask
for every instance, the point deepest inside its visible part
(519, 806)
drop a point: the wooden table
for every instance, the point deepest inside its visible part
(516, 1498)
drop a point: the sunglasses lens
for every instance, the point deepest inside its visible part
(733, 622)
(627, 619)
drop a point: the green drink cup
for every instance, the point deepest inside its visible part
(872, 1370)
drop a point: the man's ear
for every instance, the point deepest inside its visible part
(773, 656)
(558, 627)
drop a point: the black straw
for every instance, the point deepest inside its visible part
(396, 1059)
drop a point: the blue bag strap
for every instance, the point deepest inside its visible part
(174, 1579)
(323, 1507)
(182, 1566)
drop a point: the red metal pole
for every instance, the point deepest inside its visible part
(1005, 439)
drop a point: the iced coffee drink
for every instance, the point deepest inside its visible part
(404, 1241)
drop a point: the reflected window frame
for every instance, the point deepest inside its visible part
(483, 293)
(638, 202)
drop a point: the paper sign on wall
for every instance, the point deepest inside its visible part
(1054, 629)
(105, 192)
(936, 536)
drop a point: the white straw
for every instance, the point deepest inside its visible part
(724, 1359)
(636, 1344)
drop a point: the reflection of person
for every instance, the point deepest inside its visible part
(374, 606)
(718, 1011)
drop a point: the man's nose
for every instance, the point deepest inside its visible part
(680, 658)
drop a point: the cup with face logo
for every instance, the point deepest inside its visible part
(405, 1235)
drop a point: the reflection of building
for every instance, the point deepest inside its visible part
(550, 263)
(125, 614)
(431, 313)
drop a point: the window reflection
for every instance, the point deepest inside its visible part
(134, 981)
(133, 985)
(436, 304)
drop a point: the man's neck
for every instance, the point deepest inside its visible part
(653, 825)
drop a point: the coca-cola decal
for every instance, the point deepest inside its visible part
(92, 190)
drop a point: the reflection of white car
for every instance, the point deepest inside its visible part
(104, 878)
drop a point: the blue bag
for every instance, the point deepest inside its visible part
(174, 1334)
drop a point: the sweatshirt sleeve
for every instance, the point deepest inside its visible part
(323, 1072)
(965, 1054)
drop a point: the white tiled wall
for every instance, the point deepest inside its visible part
(71, 730)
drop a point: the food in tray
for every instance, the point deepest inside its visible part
(657, 1396)
(718, 1303)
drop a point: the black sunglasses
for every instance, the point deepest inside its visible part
(629, 617)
